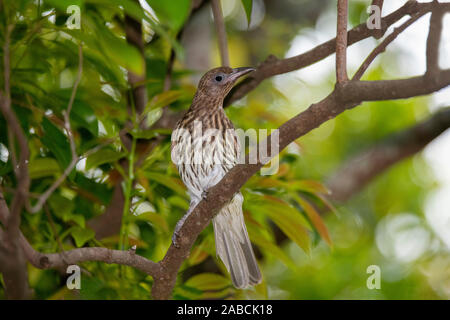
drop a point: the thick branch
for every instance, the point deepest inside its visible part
(273, 66)
(378, 3)
(362, 168)
(12, 263)
(75, 256)
(291, 130)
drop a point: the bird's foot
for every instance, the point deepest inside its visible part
(176, 239)
(205, 194)
(176, 232)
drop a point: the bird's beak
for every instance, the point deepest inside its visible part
(239, 72)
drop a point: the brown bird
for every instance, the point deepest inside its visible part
(204, 148)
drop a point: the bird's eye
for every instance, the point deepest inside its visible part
(219, 78)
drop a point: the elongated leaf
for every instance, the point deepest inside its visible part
(154, 218)
(315, 219)
(201, 252)
(311, 186)
(208, 281)
(63, 4)
(163, 99)
(269, 247)
(153, 116)
(291, 222)
(56, 142)
(248, 5)
(327, 203)
(169, 182)
(173, 13)
(121, 52)
(102, 156)
(43, 167)
(81, 235)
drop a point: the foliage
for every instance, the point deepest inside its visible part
(303, 253)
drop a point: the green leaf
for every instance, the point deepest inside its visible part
(102, 156)
(81, 235)
(153, 116)
(95, 189)
(120, 52)
(83, 115)
(173, 13)
(310, 186)
(248, 5)
(291, 222)
(57, 143)
(201, 251)
(155, 219)
(63, 4)
(167, 181)
(163, 99)
(43, 167)
(269, 247)
(208, 281)
(179, 202)
(315, 219)
(63, 208)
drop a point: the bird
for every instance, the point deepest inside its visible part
(204, 147)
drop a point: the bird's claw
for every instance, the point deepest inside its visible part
(175, 239)
(205, 194)
(176, 233)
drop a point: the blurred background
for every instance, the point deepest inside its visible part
(309, 245)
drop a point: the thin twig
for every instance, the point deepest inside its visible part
(11, 118)
(273, 66)
(44, 197)
(433, 40)
(221, 32)
(382, 46)
(341, 42)
(379, 32)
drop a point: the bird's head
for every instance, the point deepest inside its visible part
(219, 81)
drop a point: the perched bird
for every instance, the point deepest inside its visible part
(204, 148)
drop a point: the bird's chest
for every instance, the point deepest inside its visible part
(203, 150)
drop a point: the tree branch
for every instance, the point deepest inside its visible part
(379, 32)
(433, 40)
(311, 118)
(44, 197)
(357, 172)
(378, 3)
(273, 66)
(221, 32)
(75, 256)
(12, 263)
(348, 95)
(383, 45)
(109, 222)
(341, 41)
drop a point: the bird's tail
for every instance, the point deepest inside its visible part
(233, 245)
